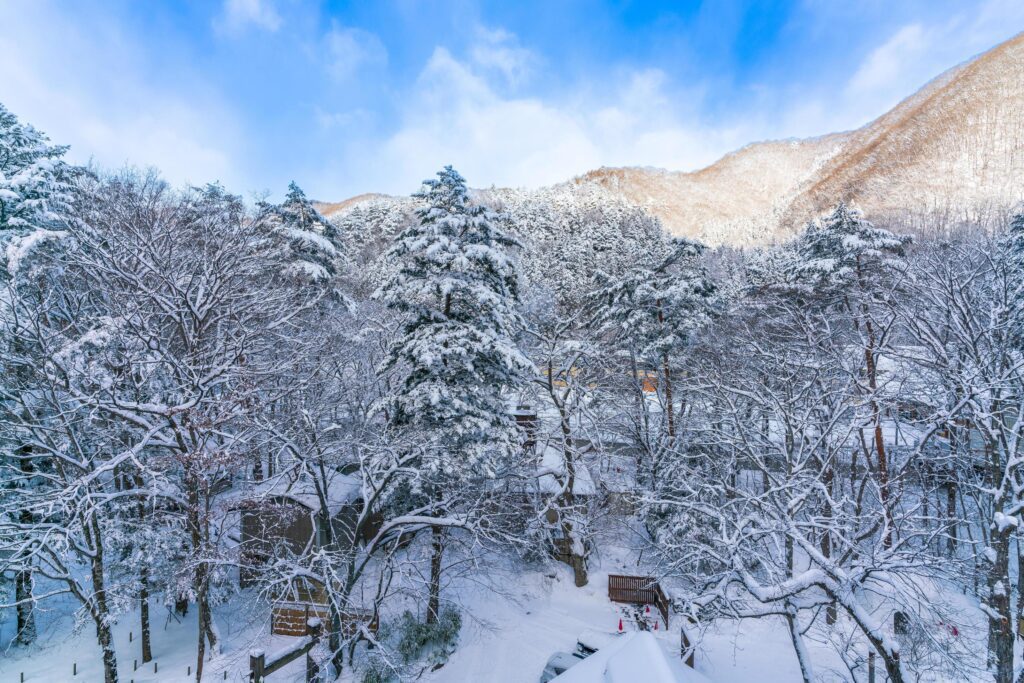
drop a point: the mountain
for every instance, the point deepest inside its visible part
(957, 145)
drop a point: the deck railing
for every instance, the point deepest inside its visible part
(638, 590)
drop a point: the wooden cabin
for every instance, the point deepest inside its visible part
(284, 518)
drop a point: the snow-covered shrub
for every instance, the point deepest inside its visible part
(434, 641)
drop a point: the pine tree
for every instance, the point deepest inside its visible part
(850, 265)
(654, 311)
(311, 243)
(35, 193)
(845, 250)
(457, 288)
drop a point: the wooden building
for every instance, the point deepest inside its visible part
(283, 518)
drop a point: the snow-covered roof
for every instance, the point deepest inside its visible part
(341, 490)
(551, 461)
(632, 658)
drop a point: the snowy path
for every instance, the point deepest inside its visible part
(174, 649)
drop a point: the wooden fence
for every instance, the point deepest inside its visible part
(638, 590)
(290, 619)
(260, 667)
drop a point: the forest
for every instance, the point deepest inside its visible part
(207, 398)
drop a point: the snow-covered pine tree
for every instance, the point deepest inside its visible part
(34, 197)
(34, 188)
(313, 251)
(457, 287)
(654, 311)
(851, 265)
(846, 250)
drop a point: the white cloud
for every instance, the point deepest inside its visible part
(885, 67)
(83, 82)
(458, 114)
(349, 50)
(500, 50)
(237, 15)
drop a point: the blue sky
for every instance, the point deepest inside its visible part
(351, 97)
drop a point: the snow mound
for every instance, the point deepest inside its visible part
(636, 657)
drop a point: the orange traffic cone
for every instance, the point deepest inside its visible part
(647, 609)
(620, 624)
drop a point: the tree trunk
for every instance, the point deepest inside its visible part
(883, 475)
(826, 536)
(201, 645)
(876, 414)
(668, 396)
(802, 656)
(198, 508)
(106, 641)
(147, 651)
(23, 580)
(334, 640)
(577, 560)
(99, 609)
(666, 369)
(951, 539)
(1000, 630)
(890, 657)
(206, 634)
(434, 598)
(26, 610)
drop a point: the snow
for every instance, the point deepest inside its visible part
(508, 639)
(1003, 522)
(174, 650)
(638, 656)
(342, 489)
(552, 465)
(19, 249)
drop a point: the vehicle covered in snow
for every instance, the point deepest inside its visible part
(558, 664)
(590, 641)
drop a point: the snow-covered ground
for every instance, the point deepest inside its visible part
(514, 620)
(506, 638)
(59, 649)
(511, 640)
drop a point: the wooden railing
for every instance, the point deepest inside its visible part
(638, 590)
(260, 667)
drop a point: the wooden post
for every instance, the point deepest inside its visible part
(871, 667)
(74, 668)
(256, 664)
(312, 669)
(686, 649)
